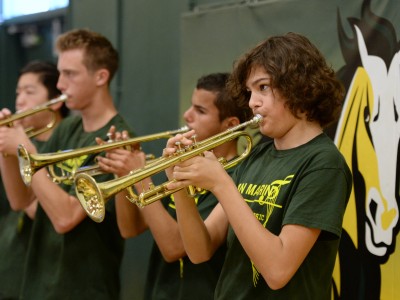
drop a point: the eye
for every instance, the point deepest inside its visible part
(67, 73)
(264, 87)
(200, 110)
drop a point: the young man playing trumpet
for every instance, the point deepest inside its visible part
(37, 82)
(171, 275)
(69, 255)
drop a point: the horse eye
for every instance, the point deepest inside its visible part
(366, 115)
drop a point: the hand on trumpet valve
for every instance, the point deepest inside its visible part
(202, 171)
(176, 145)
(120, 161)
(180, 141)
(5, 113)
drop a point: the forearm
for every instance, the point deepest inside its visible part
(165, 231)
(18, 194)
(129, 217)
(63, 210)
(277, 258)
(31, 209)
(194, 233)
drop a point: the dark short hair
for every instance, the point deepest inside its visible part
(227, 106)
(48, 75)
(298, 71)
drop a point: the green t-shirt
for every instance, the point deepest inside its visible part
(181, 280)
(308, 185)
(15, 228)
(83, 263)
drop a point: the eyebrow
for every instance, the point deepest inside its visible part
(258, 80)
(200, 107)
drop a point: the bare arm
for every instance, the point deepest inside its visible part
(132, 220)
(276, 257)
(200, 238)
(63, 210)
(18, 194)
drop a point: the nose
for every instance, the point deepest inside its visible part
(187, 115)
(60, 83)
(20, 101)
(253, 102)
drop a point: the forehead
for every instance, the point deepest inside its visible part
(29, 79)
(204, 98)
(70, 59)
(256, 74)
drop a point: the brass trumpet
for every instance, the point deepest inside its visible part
(93, 196)
(43, 107)
(29, 164)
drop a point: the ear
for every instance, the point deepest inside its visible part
(230, 122)
(102, 76)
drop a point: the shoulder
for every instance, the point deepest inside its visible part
(324, 148)
(121, 124)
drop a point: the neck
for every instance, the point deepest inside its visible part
(227, 150)
(98, 114)
(298, 135)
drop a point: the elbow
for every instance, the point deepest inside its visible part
(62, 226)
(276, 279)
(16, 206)
(170, 258)
(171, 252)
(130, 231)
(199, 258)
(126, 234)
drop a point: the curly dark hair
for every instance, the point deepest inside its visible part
(298, 71)
(216, 83)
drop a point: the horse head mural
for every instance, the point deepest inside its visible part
(368, 135)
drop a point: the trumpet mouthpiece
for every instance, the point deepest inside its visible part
(257, 118)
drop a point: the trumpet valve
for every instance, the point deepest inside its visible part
(154, 193)
(193, 138)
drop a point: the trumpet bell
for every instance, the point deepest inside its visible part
(87, 192)
(25, 165)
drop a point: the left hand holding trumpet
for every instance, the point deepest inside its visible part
(120, 161)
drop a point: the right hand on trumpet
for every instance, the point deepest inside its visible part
(174, 144)
(11, 137)
(5, 113)
(201, 171)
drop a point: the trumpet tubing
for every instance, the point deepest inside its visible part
(93, 196)
(31, 163)
(43, 107)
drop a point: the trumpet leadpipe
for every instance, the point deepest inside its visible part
(39, 108)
